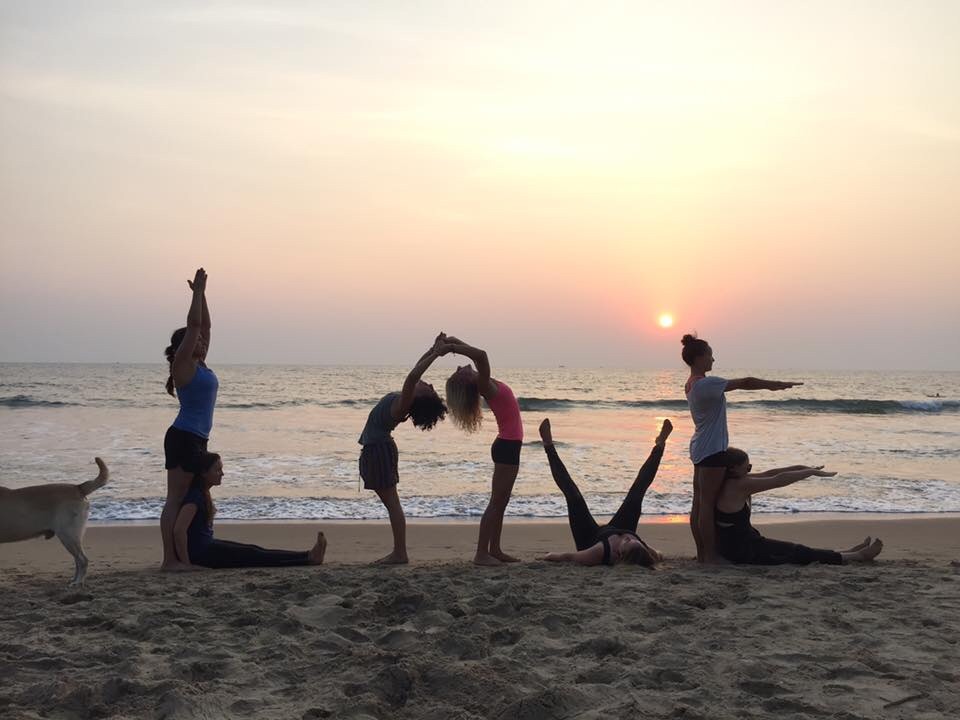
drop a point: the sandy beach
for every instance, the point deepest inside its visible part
(442, 639)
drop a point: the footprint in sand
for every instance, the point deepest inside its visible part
(324, 611)
(762, 689)
(432, 621)
(464, 647)
(549, 704)
(398, 639)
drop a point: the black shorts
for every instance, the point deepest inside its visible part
(183, 449)
(378, 465)
(720, 459)
(506, 452)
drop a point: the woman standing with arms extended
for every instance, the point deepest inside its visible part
(708, 445)
(195, 386)
(464, 389)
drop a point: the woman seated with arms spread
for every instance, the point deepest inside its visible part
(739, 542)
(193, 530)
(617, 541)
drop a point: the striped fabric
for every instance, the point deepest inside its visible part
(378, 465)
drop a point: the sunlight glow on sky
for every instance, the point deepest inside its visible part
(541, 178)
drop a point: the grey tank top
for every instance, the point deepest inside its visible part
(380, 422)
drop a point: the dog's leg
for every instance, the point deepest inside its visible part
(72, 538)
(74, 547)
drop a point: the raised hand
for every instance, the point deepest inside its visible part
(199, 282)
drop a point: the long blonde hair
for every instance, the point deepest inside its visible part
(463, 401)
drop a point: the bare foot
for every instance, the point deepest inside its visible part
(180, 567)
(393, 558)
(316, 553)
(865, 554)
(871, 551)
(486, 560)
(545, 433)
(503, 557)
(665, 431)
(858, 546)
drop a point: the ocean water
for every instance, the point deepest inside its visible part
(288, 436)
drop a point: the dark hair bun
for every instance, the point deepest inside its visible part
(687, 339)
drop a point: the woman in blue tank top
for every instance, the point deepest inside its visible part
(195, 386)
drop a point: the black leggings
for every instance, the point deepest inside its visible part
(764, 551)
(586, 531)
(229, 554)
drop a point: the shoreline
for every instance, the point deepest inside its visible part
(758, 518)
(352, 542)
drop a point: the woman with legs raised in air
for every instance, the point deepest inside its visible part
(617, 541)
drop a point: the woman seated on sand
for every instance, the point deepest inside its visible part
(617, 541)
(193, 530)
(739, 542)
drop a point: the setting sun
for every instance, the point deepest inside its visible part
(665, 320)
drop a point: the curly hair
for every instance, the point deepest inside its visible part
(427, 410)
(463, 397)
(171, 351)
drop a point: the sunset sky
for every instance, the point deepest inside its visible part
(544, 179)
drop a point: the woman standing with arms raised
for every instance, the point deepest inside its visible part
(708, 445)
(195, 386)
(464, 389)
(379, 458)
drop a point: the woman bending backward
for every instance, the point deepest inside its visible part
(464, 389)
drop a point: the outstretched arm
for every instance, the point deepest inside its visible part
(593, 555)
(184, 366)
(752, 383)
(777, 471)
(479, 357)
(402, 405)
(755, 484)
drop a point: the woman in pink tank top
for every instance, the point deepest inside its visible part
(464, 389)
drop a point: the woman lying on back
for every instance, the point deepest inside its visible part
(739, 542)
(617, 541)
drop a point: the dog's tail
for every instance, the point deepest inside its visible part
(90, 485)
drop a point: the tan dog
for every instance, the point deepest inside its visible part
(57, 509)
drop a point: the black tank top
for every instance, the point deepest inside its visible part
(735, 524)
(604, 537)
